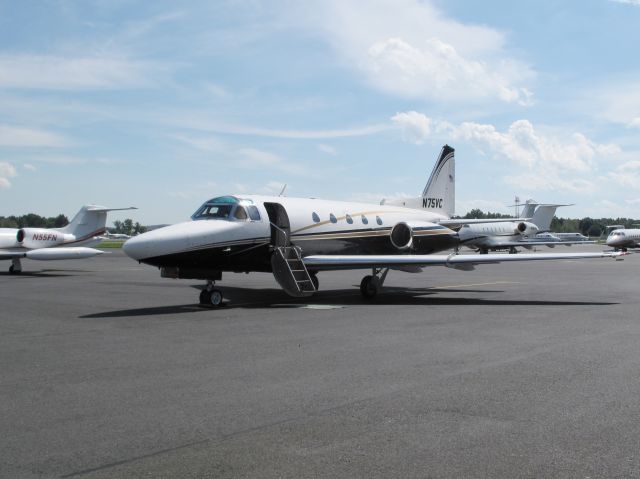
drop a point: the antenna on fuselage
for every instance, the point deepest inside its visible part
(282, 190)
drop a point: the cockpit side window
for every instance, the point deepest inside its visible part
(254, 214)
(240, 213)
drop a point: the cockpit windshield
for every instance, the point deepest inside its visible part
(616, 233)
(227, 208)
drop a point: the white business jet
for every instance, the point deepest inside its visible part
(530, 231)
(45, 244)
(621, 238)
(295, 238)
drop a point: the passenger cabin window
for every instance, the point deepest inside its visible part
(349, 219)
(315, 217)
(333, 218)
(378, 220)
(365, 221)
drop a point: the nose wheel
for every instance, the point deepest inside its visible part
(211, 297)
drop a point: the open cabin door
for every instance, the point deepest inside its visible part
(286, 261)
(280, 227)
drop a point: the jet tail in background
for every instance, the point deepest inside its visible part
(90, 221)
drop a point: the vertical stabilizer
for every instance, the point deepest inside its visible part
(90, 221)
(529, 208)
(543, 216)
(439, 194)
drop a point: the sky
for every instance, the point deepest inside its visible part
(162, 105)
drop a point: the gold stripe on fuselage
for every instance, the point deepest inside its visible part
(326, 222)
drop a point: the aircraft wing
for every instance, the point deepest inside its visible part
(459, 223)
(492, 243)
(48, 254)
(458, 261)
(10, 254)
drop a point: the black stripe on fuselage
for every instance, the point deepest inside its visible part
(256, 256)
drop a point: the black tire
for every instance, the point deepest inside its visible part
(215, 298)
(204, 297)
(369, 287)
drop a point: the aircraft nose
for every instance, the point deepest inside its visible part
(135, 247)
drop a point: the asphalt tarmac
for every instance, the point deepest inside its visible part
(516, 370)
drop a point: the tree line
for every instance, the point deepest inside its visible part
(32, 220)
(587, 226)
(127, 227)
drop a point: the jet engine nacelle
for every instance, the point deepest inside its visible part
(402, 233)
(526, 229)
(35, 238)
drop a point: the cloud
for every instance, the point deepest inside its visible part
(436, 71)
(252, 158)
(628, 2)
(328, 149)
(416, 127)
(626, 174)
(7, 170)
(28, 137)
(550, 163)
(410, 49)
(50, 72)
(30, 167)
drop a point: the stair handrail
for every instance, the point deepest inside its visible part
(286, 235)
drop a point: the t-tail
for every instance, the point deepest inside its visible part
(89, 222)
(439, 194)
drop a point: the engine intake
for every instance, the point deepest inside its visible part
(526, 229)
(401, 236)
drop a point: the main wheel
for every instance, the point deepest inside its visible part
(13, 270)
(204, 297)
(369, 287)
(215, 299)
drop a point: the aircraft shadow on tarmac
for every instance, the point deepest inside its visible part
(238, 298)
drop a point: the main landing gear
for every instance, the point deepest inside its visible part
(371, 285)
(211, 297)
(16, 266)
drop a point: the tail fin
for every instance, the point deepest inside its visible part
(529, 208)
(543, 216)
(90, 221)
(439, 195)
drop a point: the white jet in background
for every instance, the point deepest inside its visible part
(45, 244)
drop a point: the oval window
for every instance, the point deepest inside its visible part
(365, 221)
(349, 219)
(333, 218)
(378, 220)
(315, 217)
